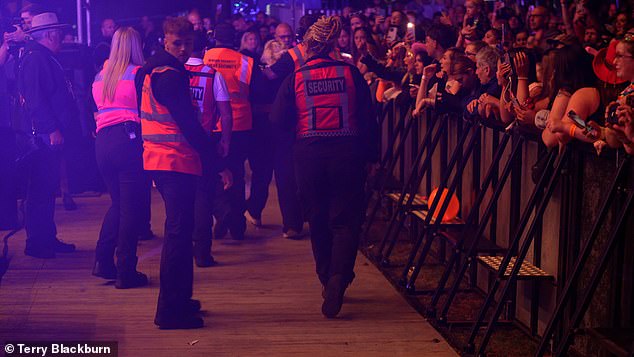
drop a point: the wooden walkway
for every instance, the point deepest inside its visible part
(263, 299)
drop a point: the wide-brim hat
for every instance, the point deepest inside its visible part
(46, 21)
(603, 64)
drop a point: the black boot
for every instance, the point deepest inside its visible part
(333, 299)
(202, 254)
(104, 269)
(127, 275)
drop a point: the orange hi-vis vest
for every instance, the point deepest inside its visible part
(164, 145)
(201, 83)
(325, 98)
(298, 54)
(237, 70)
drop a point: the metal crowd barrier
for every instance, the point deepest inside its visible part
(449, 143)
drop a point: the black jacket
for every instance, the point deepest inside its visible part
(172, 90)
(49, 103)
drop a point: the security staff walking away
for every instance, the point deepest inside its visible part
(327, 103)
(175, 150)
(237, 70)
(211, 97)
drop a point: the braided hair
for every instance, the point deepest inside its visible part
(321, 36)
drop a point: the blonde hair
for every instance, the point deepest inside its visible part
(273, 50)
(321, 36)
(243, 41)
(125, 49)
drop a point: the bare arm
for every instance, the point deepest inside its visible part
(226, 122)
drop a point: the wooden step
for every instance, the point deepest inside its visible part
(418, 199)
(528, 271)
(422, 215)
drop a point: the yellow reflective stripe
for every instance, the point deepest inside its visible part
(164, 138)
(160, 118)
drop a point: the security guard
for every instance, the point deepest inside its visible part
(296, 57)
(327, 103)
(175, 149)
(237, 70)
(211, 97)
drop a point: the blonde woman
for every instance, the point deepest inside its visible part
(273, 51)
(119, 152)
(250, 45)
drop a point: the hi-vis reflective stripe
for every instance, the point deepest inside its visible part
(112, 109)
(201, 74)
(310, 100)
(244, 70)
(160, 118)
(343, 98)
(299, 55)
(164, 138)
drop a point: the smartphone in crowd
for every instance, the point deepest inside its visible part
(579, 122)
(411, 29)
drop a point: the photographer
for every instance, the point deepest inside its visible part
(49, 107)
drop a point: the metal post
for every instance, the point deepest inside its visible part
(80, 25)
(88, 24)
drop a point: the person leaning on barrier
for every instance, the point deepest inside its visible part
(327, 104)
(50, 109)
(619, 115)
(176, 150)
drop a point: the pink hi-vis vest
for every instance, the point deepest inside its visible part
(124, 107)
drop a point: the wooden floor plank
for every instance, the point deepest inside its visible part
(263, 299)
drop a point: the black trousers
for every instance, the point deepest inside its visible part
(120, 161)
(332, 192)
(203, 220)
(271, 151)
(42, 185)
(230, 205)
(177, 270)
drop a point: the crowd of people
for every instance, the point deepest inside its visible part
(186, 106)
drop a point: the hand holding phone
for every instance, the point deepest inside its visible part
(579, 122)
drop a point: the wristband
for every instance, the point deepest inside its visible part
(572, 131)
(522, 78)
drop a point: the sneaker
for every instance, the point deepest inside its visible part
(69, 203)
(131, 280)
(257, 222)
(292, 234)
(61, 247)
